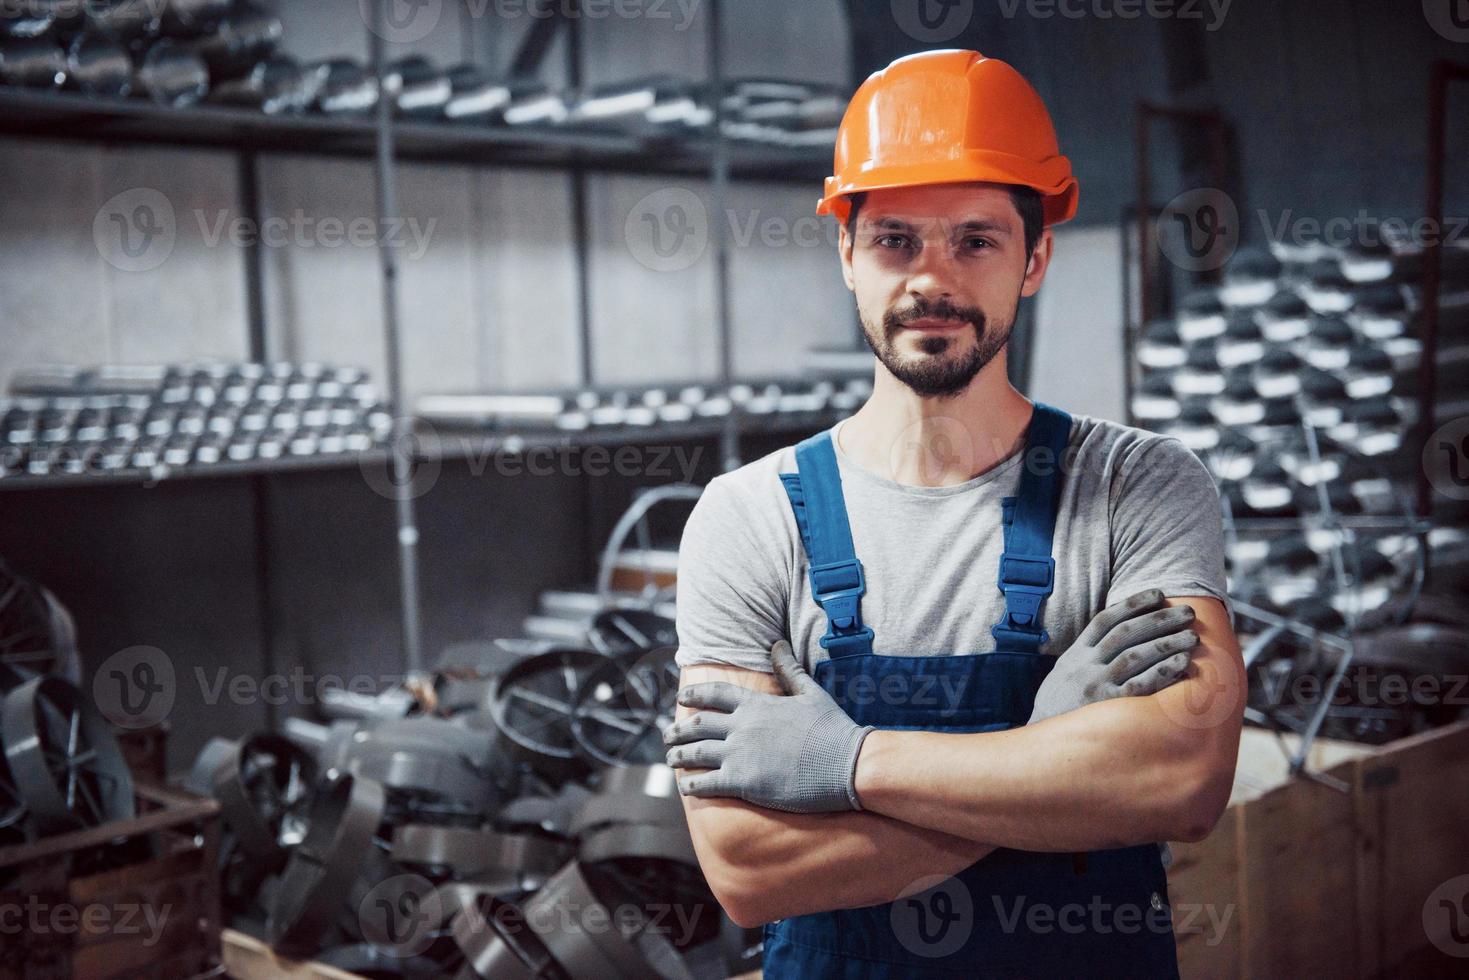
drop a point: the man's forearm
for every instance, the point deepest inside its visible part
(1120, 772)
(766, 864)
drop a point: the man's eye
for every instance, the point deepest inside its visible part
(978, 243)
(892, 241)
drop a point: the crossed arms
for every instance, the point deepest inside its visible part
(1125, 771)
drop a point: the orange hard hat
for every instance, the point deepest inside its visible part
(945, 117)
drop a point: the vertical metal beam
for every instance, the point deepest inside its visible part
(402, 453)
(248, 176)
(580, 225)
(1438, 98)
(719, 192)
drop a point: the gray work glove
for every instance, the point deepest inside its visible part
(795, 752)
(1134, 647)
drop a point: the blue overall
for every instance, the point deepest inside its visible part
(1013, 913)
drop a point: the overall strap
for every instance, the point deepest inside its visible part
(837, 582)
(1027, 573)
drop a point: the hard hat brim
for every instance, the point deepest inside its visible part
(1051, 178)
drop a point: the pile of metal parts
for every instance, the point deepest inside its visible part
(644, 406)
(177, 52)
(172, 52)
(1293, 381)
(61, 768)
(505, 815)
(108, 419)
(1304, 334)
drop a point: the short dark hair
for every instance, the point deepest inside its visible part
(1027, 203)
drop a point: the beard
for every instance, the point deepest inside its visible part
(937, 375)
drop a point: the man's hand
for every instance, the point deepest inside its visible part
(796, 752)
(1135, 647)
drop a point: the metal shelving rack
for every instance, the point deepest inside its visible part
(387, 140)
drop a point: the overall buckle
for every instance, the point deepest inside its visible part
(838, 587)
(1026, 581)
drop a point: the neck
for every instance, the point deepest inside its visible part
(935, 442)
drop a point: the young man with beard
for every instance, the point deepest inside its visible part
(952, 669)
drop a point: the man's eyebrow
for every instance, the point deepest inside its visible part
(987, 226)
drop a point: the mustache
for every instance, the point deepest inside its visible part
(941, 309)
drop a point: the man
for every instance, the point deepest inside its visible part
(952, 669)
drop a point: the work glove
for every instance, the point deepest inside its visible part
(1134, 647)
(795, 752)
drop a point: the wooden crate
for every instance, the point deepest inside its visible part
(132, 898)
(247, 958)
(1321, 881)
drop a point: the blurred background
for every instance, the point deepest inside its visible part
(354, 353)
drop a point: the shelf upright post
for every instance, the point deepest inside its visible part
(248, 175)
(402, 439)
(729, 443)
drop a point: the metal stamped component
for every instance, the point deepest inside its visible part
(471, 852)
(63, 757)
(344, 818)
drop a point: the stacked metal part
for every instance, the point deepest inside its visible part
(121, 418)
(61, 769)
(1295, 380)
(117, 48)
(644, 406)
(507, 814)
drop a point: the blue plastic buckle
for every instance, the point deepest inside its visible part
(1019, 575)
(838, 587)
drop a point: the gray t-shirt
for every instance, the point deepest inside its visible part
(1138, 510)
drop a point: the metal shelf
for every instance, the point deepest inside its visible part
(71, 116)
(454, 444)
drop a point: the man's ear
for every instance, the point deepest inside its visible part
(1040, 260)
(844, 248)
